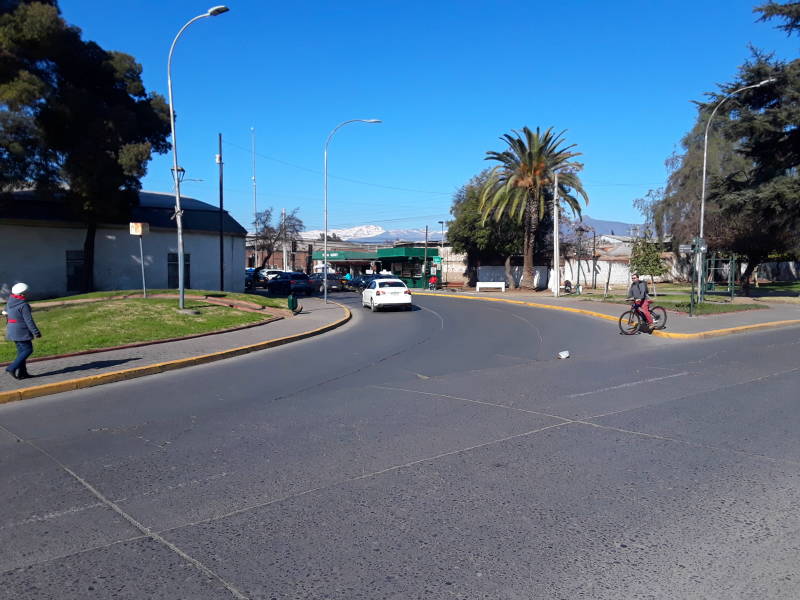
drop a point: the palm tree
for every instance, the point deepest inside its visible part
(522, 185)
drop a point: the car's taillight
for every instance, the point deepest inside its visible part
(378, 293)
(292, 282)
(407, 292)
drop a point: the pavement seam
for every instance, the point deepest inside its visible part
(75, 553)
(334, 484)
(133, 522)
(658, 333)
(126, 374)
(568, 421)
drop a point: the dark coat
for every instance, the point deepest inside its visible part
(638, 290)
(21, 326)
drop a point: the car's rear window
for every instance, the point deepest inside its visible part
(299, 276)
(399, 284)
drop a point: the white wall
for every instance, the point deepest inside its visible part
(37, 256)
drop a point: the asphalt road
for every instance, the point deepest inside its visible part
(439, 453)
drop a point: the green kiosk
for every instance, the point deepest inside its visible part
(409, 264)
(406, 263)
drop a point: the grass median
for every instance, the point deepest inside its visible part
(255, 298)
(96, 325)
(680, 303)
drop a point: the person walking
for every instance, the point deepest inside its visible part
(21, 329)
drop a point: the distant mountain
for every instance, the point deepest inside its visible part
(609, 227)
(376, 234)
(403, 235)
(362, 231)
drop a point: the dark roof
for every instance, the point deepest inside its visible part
(154, 208)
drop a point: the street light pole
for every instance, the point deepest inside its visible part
(325, 208)
(212, 12)
(441, 252)
(701, 255)
(556, 257)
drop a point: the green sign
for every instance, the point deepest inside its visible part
(437, 259)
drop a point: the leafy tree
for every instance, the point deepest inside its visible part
(75, 118)
(753, 190)
(646, 258)
(478, 239)
(332, 237)
(521, 186)
(269, 236)
(789, 12)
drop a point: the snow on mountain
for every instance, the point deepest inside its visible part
(362, 231)
(377, 234)
(404, 235)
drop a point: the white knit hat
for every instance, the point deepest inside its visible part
(19, 288)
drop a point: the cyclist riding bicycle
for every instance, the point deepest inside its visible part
(638, 292)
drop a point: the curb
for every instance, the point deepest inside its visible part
(681, 336)
(149, 343)
(124, 375)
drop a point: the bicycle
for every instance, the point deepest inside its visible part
(631, 321)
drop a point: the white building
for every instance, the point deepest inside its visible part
(41, 243)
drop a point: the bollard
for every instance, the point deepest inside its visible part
(292, 302)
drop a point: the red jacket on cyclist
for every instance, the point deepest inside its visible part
(638, 291)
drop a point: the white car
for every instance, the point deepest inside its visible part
(386, 292)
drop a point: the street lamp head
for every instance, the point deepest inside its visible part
(217, 10)
(372, 121)
(766, 81)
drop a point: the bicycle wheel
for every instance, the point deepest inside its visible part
(629, 322)
(659, 317)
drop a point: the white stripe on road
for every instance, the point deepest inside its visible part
(629, 384)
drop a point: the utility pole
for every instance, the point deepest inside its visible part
(556, 257)
(253, 178)
(441, 254)
(283, 241)
(425, 260)
(221, 213)
(255, 208)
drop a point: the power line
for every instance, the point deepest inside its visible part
(357, 181)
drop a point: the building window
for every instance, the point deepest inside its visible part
(76, 267)
(172, 270)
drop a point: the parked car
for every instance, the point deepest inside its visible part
(334, 282)
(287, 281)
(362, 281)
(383, 292)
(264, 275)
(249, 278)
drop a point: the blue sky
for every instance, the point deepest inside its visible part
(447, 77)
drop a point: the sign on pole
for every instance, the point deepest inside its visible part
(140, 230)
(685, 248)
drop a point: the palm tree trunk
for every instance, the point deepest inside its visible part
(527, 249)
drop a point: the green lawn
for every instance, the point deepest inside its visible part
(256, 298)
(768, 290)
(706, 308)
(680, 303)
(103, 324)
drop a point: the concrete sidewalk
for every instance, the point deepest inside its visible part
(75, 372)
(679, 325)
